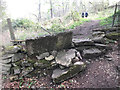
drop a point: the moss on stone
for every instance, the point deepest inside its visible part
(113, 35)
(70, 73)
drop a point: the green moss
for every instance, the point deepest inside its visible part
(18, 62)
(31, 61)
(113, 35)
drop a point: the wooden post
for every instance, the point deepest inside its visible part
(114, 15)
(10, 29)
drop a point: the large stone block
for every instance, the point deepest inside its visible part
(49, 43)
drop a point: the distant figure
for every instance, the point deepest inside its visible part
(86, 14)
(82, 14)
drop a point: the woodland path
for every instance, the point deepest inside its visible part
(100, 73)
(85, 30)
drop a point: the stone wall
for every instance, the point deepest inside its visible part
(49, 43)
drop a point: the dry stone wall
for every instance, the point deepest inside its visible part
(58, 55)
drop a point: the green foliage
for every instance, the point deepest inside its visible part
(57, 28)
(106, 21)
(22, 23)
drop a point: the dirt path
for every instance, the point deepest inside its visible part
(100, 73)
(85, 30)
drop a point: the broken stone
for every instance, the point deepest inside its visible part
(62, 75)
(65, 57)
(13, 78)
(41, 56)
(93, 52)
(82, 42)
(49, 58)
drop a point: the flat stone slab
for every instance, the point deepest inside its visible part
(61, 75)
(49, 43)
(90, 53)
(65, 57)
(82, 42)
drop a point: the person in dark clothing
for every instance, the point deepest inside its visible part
(82, 14)
(86, 14)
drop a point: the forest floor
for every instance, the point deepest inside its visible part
(100, 73)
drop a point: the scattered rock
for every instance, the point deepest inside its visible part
(49, 58)
(109, 59)
(90, 53)
(65, 57)
(82, 42)
(41, 56)
(13, 78)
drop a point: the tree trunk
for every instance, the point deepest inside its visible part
(51, 9)
(39, 14)
(119, 12)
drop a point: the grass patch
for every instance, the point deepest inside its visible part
(77, 23)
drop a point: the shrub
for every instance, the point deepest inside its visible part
(22, 23)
